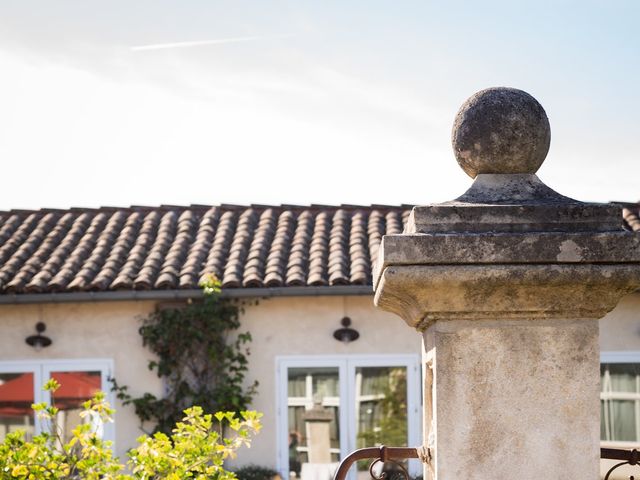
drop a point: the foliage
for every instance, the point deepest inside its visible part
(255, 472)
(85, 455)
(195, 449)
(199, 357)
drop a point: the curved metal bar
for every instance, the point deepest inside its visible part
(383, 474)
(606, 477)
(382, 453)
(373, 475)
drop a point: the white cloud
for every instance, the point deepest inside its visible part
(75, 138)
(202, 43)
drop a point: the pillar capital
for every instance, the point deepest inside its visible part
(510, 246)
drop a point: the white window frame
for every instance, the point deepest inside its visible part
(622, 357)
(42, 370)
(347, 365)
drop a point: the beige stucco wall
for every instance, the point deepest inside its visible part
(620, 329)
(279, 326)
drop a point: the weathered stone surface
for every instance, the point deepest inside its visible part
(514, 399)
(507, 248)
(423, 294)
(464, 218)
(513, 203)
(501, 130)
(513, 189)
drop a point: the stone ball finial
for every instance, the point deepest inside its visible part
(501, 130)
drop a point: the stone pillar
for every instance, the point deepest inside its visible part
(506, 284)
(318, 422)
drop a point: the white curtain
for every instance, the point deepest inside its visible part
(620, 401)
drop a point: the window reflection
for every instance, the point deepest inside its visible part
(16, 398)
(380, 416)
(313, 422)
(381, 409)
(75, 389)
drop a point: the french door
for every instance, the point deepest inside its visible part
(329, 406)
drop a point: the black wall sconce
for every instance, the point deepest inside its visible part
(39, 341)
(346, 334)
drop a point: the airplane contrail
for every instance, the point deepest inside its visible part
(220, 41)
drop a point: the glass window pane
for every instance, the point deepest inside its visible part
(296, 384)
(620, 401)
(381, 408)
(75, 389)
(313, 422)
(622, 377)
(604, 435)
(16, 398)
(622, 420)
(325, 384)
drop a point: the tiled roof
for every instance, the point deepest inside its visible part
(173, 248)
(169, 248)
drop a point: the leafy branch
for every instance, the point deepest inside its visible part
(199, 355)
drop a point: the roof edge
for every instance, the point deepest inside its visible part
(137, 295)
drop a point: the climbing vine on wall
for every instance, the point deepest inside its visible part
(201, 357)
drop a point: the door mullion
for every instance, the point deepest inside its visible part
(345, 413)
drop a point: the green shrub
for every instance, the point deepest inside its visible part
(255, 472)
(195, 449)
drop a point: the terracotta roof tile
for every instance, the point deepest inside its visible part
(393, 223)
(136, 256)
(275, 268)
(255, 264)
(170, 271)
(146, 277)
(319, 250)
(359, 250)
(195, 262)
(298, 263)
(631, 218)
(99, 253)
(25, 251)
(62, 279)
(58, 229)
(41, 281)
(118, 254)
(375, 229)
(234, 268)
(217, 256)
(339, 262)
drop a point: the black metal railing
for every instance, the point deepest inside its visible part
(628, 457)
(393, 455)
(380, 454)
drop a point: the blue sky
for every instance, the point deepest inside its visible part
(302, 102)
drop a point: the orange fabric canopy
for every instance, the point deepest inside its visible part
(17, 394)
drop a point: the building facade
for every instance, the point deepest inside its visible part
(90, 275)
